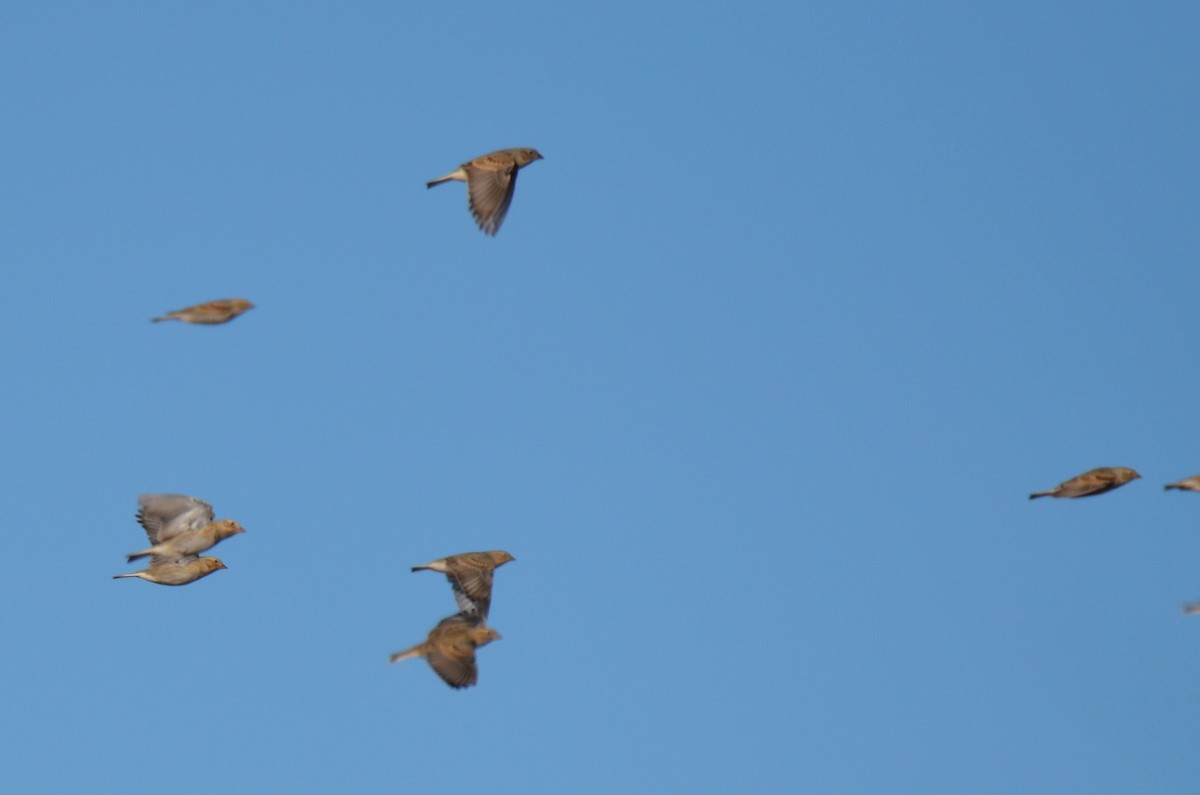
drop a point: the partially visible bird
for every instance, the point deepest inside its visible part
(179, 528)
(450, 648)
(175, 572)
(491, 180)
(470, 575)
(1094, 481)
(1191, 608)
(1187, 484)
(211, 313)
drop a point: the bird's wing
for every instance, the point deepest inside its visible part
(164, 516)
(477, 583)
(474, 600)
(489, 193)
(170, 557)
(454, 662)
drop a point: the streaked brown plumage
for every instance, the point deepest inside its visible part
(450, 648)
(470, 575)
(1094, 481)
(1187, 484)
(211, 313)
(179, 528)
(175, 572)
(491, 180)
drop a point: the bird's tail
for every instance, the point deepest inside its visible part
(407, 654)
(458, 174)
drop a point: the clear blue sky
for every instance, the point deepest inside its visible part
(802, 303)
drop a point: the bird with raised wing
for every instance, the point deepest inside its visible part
(179, 528)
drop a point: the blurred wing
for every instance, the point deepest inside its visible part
(1080, 486)
(1093, 483)
(479, 604)
(456, 668)
(489, 193)
(165, 516)
(171, 558)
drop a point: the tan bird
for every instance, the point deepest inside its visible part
(175, 572)
(211, 313)
(470, 575)
(1187, 484)
(491, 180)
(450, 648)
(1094, 481)
(1191, 608)
(179, 528)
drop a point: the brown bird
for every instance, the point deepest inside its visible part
(1094, 481)
(470, 575)
(1191, 608)
(175, 572)
(1187, 484)
(179, 528)
(210, 314)
(491, 180)
(450, 648)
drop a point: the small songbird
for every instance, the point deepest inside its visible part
(1187, 484)
(491, 180)
(1094, 481)
(450, 648)
(211, 313)
(179, 528)
(470, 575)
(175, 572)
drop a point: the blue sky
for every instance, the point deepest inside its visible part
(754, 381)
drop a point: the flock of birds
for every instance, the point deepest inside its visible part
(1102, 479)
(180, 528)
